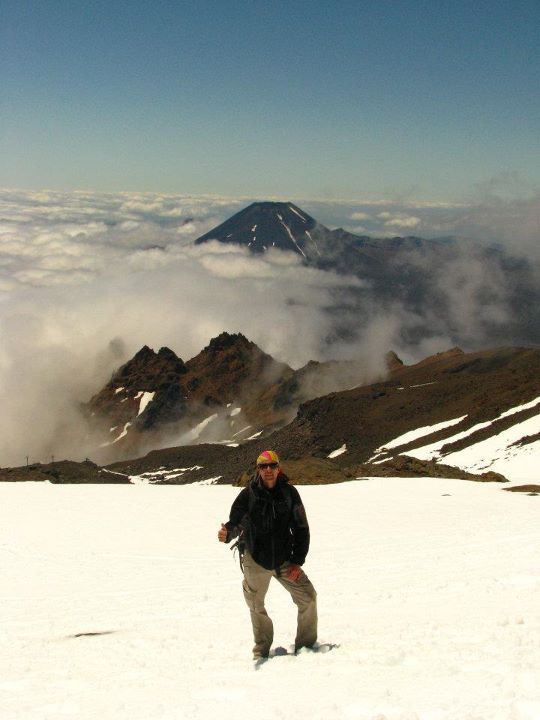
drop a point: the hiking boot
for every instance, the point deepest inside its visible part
(259, 660)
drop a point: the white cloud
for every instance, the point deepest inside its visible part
(402, 221)
(66, 295)
(358, 230)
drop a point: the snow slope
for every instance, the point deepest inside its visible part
(118, 603)
(514, 452)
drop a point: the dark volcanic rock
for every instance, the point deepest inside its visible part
(63, 472)
(145, 367)
(479, 386)
(529, 489)
(209, 461)
(157, 395)
(393, 362)
(404, 466)
(147, 372)
(168, 405)
(230, 368)
(265, 225)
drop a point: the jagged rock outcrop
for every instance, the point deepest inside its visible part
(230, 391)
(148, 379)
(156, 398)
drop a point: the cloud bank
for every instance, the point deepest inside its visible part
(86, 280)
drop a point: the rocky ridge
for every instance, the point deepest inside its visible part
(449, 402)
(473, 395)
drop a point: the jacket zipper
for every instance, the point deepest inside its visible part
(273, 540)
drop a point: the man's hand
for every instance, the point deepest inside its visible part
(222, 533)
(293, 572)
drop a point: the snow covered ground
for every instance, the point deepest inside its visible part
(118, 603)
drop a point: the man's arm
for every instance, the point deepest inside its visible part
(231, 529)
(300, 529)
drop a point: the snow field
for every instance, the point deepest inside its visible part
(429, 586)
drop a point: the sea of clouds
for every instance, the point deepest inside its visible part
(86, 279)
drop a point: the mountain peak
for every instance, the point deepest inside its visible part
(265, 225)
(227, 340)
(146, 366)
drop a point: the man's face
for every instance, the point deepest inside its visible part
(268, 473)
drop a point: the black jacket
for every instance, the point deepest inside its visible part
(273, 523)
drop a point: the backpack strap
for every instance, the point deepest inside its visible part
(240, 547)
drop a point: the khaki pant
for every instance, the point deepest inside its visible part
(255, 586)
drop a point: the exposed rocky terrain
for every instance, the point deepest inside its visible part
(445, 403)
(471, 389)
(64, 471)
(529, 489)
(476, 386)
(157, 396)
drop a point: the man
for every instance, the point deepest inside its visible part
(269, 517)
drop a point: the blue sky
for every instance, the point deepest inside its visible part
(409, 99)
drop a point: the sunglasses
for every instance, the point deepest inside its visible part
(272, 465)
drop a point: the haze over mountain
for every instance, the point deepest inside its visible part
(476, 294)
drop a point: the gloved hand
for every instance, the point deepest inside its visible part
(293, 572)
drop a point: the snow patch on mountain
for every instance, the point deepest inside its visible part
(293, 240)
(338, 452)
(162, 474)
(418, 433)
(521, 408)
(239, 432)
(513, 452)
(508, 452)
(122, 435)
(146, 398)
(432, 452)
(297, 213)
(195, 432)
